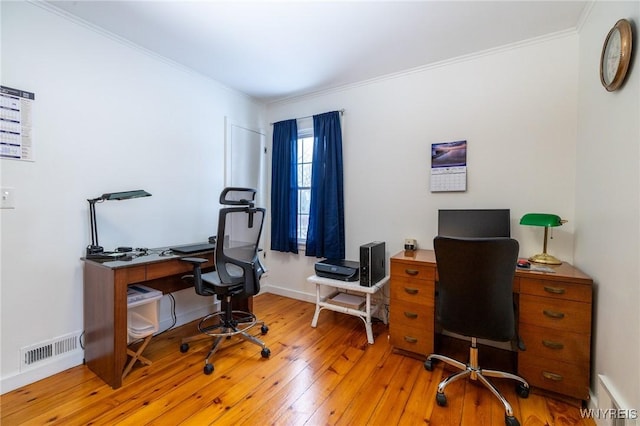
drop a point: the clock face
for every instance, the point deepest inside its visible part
(616, 55)
(612, 56)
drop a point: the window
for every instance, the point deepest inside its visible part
(309, 209)
(305, 155)
(308, 202)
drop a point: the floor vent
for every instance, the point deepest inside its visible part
(38, 353)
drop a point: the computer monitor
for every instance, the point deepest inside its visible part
(474, 223)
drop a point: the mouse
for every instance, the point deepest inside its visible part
(522, 263)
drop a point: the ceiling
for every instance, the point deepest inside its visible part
(273, 50)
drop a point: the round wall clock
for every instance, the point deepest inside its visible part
(616, 55)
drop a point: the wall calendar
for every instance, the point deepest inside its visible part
(16, 124)
(449, 166)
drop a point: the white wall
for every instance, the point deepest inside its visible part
(608, 205)
(107, 117)
(515, 106)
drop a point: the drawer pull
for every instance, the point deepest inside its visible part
(410, 315)
(552, 345)
(553, 314)
(410, 290)
(410, 339)
(552, 376)
(412, 272)
(554, 290)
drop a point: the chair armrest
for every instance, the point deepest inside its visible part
(197, 273)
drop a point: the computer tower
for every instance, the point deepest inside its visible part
(372, 263)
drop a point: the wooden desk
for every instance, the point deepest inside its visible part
(105, 304)
(554, 320)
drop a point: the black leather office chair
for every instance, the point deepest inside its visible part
(237, 273)
(475, 296)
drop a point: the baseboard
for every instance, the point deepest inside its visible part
(34, 374)
(23, 378)
(287, 292)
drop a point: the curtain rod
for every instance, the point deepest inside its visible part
(341, 111)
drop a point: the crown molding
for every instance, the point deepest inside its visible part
(427, 67)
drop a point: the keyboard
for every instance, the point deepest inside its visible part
(193, 248)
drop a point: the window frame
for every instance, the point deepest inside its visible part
(305, 131)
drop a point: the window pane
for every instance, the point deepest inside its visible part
(301, 176)
(304, 201)
(307, 150)
(303, 225)
(304, 176)
(299, 153)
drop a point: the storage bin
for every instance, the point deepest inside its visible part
(142, 314)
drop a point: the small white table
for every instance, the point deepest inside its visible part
(364, 315)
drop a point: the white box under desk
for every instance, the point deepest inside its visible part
(352, 287)
(142, 312)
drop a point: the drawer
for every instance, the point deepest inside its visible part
(413, 271)
(136, 274)
(557, 314)
(418, 340)
(165, 269)
(556, 289)
(556, 345)
(404, 314)
(413, 291)
(556, 376)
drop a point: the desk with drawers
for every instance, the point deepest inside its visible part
(554, 320)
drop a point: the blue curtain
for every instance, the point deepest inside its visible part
(284, 187)
(325, 237)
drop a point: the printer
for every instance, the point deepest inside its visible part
(338, 269)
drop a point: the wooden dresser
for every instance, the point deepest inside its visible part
(555, 324)
(554, 320)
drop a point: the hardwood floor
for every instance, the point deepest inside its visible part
(327, 375)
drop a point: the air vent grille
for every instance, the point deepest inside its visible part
(38, 353)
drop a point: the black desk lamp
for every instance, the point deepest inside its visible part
(95, 248)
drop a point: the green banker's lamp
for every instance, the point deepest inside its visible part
(547, 220)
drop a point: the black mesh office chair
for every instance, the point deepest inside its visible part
(475, 299)
(237, 273)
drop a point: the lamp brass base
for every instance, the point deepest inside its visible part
(545, 258)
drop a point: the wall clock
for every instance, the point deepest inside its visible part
(616, 55)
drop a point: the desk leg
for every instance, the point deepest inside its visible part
(367, 323)
(314, 322)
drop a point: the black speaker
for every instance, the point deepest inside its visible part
(372, 263)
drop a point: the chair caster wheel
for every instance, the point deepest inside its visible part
(428, 365)
(522, 390)
(266, 353)
(208, 369)
(511, 421)
(184, 347)
(264, 329)
(441, 399)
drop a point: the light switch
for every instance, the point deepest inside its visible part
(8, 198)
